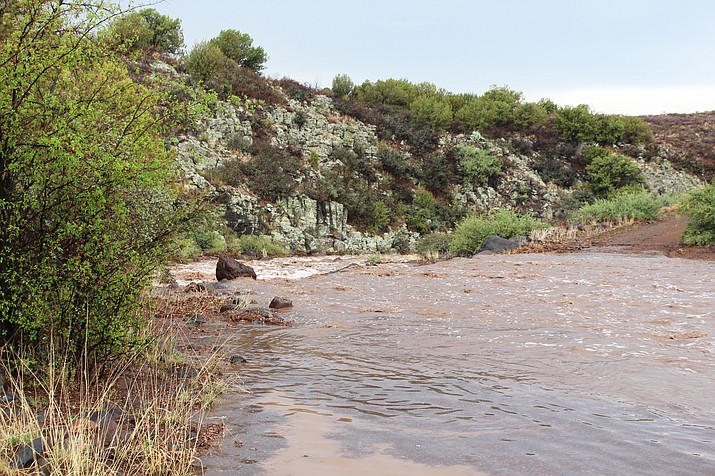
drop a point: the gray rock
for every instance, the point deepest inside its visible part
(229, 268)
(498, 245)
(26, 455)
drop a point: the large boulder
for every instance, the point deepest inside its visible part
(229, 268)
(497, 245)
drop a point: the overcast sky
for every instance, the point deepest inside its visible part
(618, 56)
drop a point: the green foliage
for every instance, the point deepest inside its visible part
(478, 165)
(636, 130)
(239, 47)
(87, 203)
(497, 107)
(145, 29)
(206, 62)
(575, 123)
(343, 86)
(422, 216)
(433, 246)
(380, 218)
(271, 172)
(396, 92)
(255, 246)
(699, 206)
(624, 207)
(608, 173)
(472, 231)
(433, 110)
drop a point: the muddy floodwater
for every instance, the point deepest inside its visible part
(586, 363)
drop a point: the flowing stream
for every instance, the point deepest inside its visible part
(521, 364)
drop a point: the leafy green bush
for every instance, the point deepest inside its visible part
(608, 173)
(624, 207)
(699, 206)
(239, 47)
(343, 86)
(145, 29)
(434, 245)
(87, 189)
(380, 218)
(496, 107)
(206, 62)
(575, 123)
(432, 110)
(478, 166)
(472, 231)
(255, 246)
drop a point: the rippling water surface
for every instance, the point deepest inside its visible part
(520, 364)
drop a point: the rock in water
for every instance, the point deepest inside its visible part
(498, 245)
(280, 303)
(229, 268)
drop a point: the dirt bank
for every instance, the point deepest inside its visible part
(662, 236)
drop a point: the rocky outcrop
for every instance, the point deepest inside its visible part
(314, 129)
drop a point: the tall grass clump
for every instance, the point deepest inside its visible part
(699, 206)
(148, 418)
(472, 231)
(626, 207)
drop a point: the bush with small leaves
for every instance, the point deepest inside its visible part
(145, 29)
(472, 231)
(608, 173)
(478, 166)
(699, 206)
(206, 62)
(342, 85)
(239, 47)
(433, 110)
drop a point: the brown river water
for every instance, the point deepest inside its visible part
(589, 363)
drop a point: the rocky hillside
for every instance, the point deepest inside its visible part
(318, 173)
(688, 140)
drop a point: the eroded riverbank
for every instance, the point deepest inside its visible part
(519, 364)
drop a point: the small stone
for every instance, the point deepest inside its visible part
(280, 303)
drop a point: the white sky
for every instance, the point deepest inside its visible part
(618, 56)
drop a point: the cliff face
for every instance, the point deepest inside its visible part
(326, 147)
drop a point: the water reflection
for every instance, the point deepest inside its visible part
(523, 364)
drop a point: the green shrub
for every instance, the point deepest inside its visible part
(432, 110)
(497, 107)
(472, 231)
(87, 189)
(380, 218)
(206, 62)
(147, 28)
(608, 173)
(434, 245)
(255, 246)
(624, 207)
(699, 206)
(575, 123)
(239, 47)
(343, 86)
(478, 166)
(271, 173)
(636, 130)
